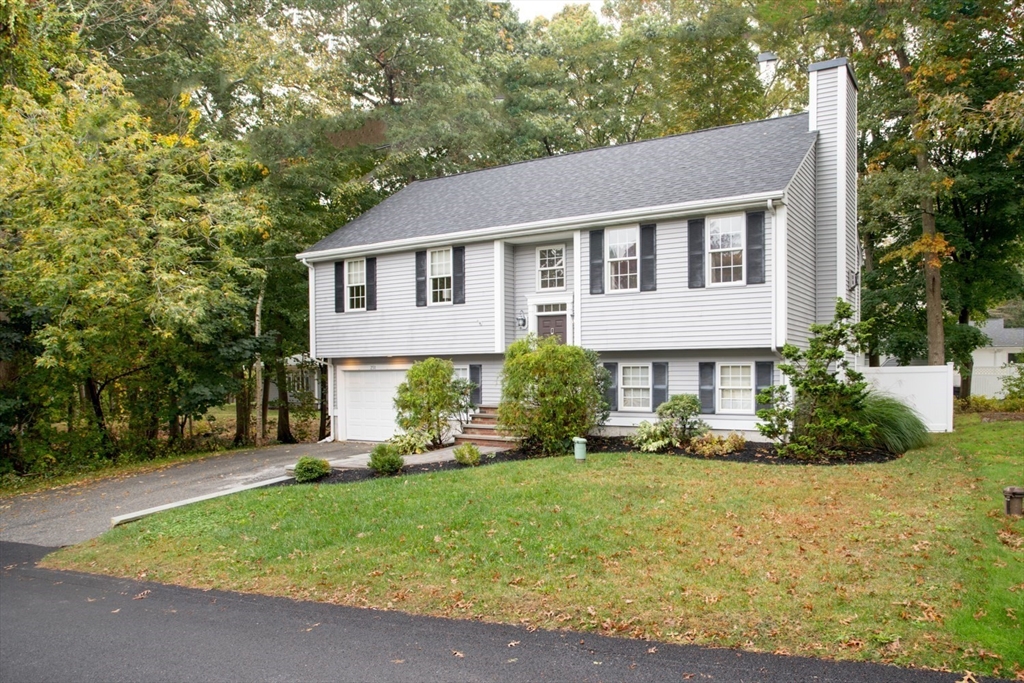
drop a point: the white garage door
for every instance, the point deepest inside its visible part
(369, 404)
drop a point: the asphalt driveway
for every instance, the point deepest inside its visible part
(76, 513)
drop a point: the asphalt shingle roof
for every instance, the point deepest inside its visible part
(710, 164)
(1001, 335)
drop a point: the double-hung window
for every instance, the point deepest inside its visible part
(440, 276)
(551, 267)
(635, 387)
(355, 284)
(725, 248)
(623, 257)
(736, 388)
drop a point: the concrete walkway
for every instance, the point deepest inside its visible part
(75, 513)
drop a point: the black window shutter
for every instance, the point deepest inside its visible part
(695, 250)
(476, 377)
(612, 395)
(707, 387)
(597, 261)
(763, 379)
(421, 278)
(648, 258)
(659, 388)
(371, 284)
(339, 287)
(755, 248)
(458, 275)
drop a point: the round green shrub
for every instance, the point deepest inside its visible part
(310, 469)
(385, 459)
(467, 454)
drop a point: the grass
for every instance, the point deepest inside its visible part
(909, 562)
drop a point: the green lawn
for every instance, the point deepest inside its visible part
(910, 562)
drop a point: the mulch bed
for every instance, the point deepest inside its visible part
(1002, 417)
(763, 453)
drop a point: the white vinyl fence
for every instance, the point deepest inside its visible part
(928, 389)
(989, 381)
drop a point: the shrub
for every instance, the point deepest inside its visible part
(410, 443)
(896, 427)
(310, 469)
(708, 445)
(431, 398)
(1013, 384)
(385, 460)
(653, 437)
(467, 454)
(682, 413)
(820, 418)
(551, 392)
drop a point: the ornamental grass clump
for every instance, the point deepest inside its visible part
(895, 426)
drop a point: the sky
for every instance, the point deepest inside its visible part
(528, 9)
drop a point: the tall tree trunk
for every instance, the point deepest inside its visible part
(932, 277)
(242, 411)
(322, 379)
(93, 395)
(258, 375)
(264, 407)
(967, 372)
(869, 266)
(284, 427)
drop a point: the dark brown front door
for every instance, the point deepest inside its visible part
(551, 324)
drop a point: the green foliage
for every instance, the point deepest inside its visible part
(410, 443)
(895, 426)
(985, 404)
(678, 423)
(1013, 384)
(385, 460)
(430, 398)
(551, 392)
(710, 446)
(309, 469)
(467, 454)
(828, 394)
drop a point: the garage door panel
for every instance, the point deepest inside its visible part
(369, 404)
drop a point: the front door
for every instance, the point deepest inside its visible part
(548, 325)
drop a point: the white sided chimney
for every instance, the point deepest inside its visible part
(833, 114)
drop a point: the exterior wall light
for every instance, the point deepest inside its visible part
(521, 319)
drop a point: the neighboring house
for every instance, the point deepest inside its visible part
(685, 261)
(1006, 349)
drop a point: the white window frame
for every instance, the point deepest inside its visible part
(720, 387)
(623, 388)
(350, 285)
(608, 278)
(460, 372)
(708, 251)
(541, 269)
(431, 277)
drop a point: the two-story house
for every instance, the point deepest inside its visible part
(685, 261)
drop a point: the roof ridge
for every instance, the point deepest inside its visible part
(606, 147)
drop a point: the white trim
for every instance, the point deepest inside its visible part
(652, 214)
(337, 388)
(349, 308)
(577, 285)
(537, 268)
(499, 296)
(812, 106)
(718, 388)
(312, 309)
(650, 388)
(450, 276)
(635, 229)
(743, 250)
(842, 86)
(780, 275)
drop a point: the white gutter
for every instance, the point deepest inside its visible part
(596, 220)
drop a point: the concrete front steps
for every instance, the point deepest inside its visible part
(482, 430)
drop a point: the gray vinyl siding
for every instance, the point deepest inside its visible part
(852, 238)
(526, 278)
(674, 316)
(827, 158)
(398, 327)
(800, 253)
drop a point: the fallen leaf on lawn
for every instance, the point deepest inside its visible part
(513, 643)
(143, 595)
(458, 654)
(652, 650)
(968, 678)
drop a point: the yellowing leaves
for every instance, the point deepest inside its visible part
(931, 250)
